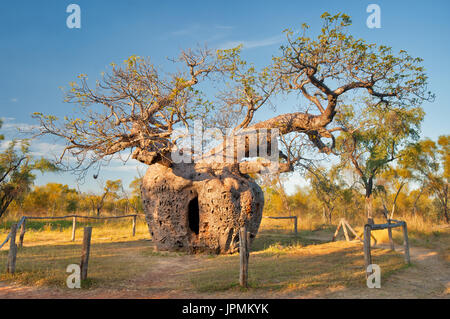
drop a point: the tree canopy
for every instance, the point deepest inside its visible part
(137, 107)
(429, 164)
(16, 171)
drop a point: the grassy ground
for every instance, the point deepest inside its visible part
(285, 263)
(421, 232)
(48, 250)
(280, 261)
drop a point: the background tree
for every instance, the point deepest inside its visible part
(429, 164)
(110, 189)
(136, 198)
(328, 187)
(372, 139)
(392, 181)
(51, 199)
(16, 171)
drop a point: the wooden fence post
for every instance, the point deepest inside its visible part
(74, 227)
(11, 263)
(391, 240)
(344, 227)
(367, 253)
(406, 243)
(243, 254)
(22, 232)
(134, 225)
(295, 224)
(352, 230)
(85, 252)
(337, 231)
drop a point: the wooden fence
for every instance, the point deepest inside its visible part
(392, 223)
(343, 223)
(11, 263)
(22, 224)
(244, 254)
(244, 240)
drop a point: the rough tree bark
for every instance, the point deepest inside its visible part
(198, 208)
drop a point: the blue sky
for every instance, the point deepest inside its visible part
(39, 54)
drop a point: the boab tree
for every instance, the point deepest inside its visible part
(196, 200)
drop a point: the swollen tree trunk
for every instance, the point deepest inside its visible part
(200, 208)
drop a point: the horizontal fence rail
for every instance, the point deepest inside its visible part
(22, 221)
(19, 224)
(368, 228)
(80, 216)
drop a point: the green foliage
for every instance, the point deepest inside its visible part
(51, 198)
(373, 138)
(136, 199)
(337, 56)
(428, 163)
(16, 172)
(55, 199)
(328, 187)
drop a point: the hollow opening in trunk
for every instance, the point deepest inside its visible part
(194, 215)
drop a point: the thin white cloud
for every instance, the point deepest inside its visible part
(190, 30)
(131, 167)
(46, 149)
(4, 144)
(19, 127)
(14, 100)
(10, 126)
(250, 44)
(195, 29)
(7, 119)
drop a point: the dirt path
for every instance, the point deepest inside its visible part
(159, 282)
(428, 277)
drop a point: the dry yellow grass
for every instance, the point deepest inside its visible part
(49, 250)
(280, 262)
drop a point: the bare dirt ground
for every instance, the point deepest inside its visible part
(428, 277)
